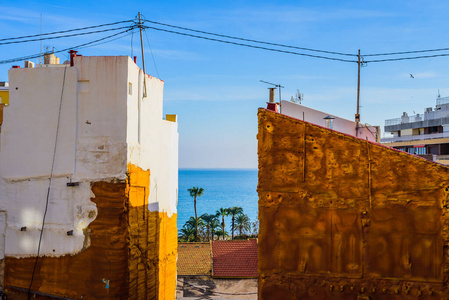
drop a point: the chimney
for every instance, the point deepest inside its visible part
(271, 105)
(72, 55)
(272, 91)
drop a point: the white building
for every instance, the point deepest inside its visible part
(68, 129)
(372, 133)
(425, 134)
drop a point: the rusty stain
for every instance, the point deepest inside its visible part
(106, 256)
(350, 213)
(132, 249)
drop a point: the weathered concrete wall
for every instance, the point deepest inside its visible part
(107, 134)
(106, 257)
(342, 218)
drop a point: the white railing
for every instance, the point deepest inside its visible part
(431, 115)
(415, 137)
(442, 100)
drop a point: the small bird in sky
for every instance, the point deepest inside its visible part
(411, 76)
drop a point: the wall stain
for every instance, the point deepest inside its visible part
(130, 252)
(343, 218)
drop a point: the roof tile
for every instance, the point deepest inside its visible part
(194, 259)
(236, 259)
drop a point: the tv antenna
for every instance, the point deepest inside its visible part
(299, 97)
(277, 86)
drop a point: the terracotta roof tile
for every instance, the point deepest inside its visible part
(236, 259)
(194, 259)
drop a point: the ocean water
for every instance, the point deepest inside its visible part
(222, 188)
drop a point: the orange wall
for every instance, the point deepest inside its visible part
(82, 274)
(153, 243)
(341, 217)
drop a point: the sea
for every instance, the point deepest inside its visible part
(222, 188)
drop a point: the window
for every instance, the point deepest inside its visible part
(417, 150)
(130, 88)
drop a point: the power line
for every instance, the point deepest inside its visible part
(89, 44)
(130, 28)
(407, 52)
(65, 31)
(151, 50)
(315, 56)
(251, 46)
(406, 58)
(303, 48)
(250, 40)
(64, 36)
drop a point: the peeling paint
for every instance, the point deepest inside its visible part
(106, 257)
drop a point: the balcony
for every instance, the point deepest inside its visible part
(421, 137)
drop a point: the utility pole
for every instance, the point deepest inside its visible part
(357, 115)
(143, 59)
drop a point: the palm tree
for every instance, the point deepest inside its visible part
(242, 223)
(208, 219)
(220, 232)
(196, 192)
(189, 228)
(186, 234)
(213, 225)
(233, 211)
(192, 222)
(223, 212)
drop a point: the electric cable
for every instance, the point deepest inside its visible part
(64, 31)
(151, 50)
(406, 58)
(251, 46)
(310, 49)
(211, 39)
(407, 52)
(64, 36)
(250, 40)
(88, 44)
(49, 184)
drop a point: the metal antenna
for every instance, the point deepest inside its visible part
(277, 86)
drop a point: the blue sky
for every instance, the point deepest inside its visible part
(215, 88)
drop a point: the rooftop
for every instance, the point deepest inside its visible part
(431, 117)
(237, 259)
(194, 259)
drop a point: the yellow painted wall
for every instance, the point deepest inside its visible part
(343, 218)
(406, 132)
(4, 95)
(153, 243)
